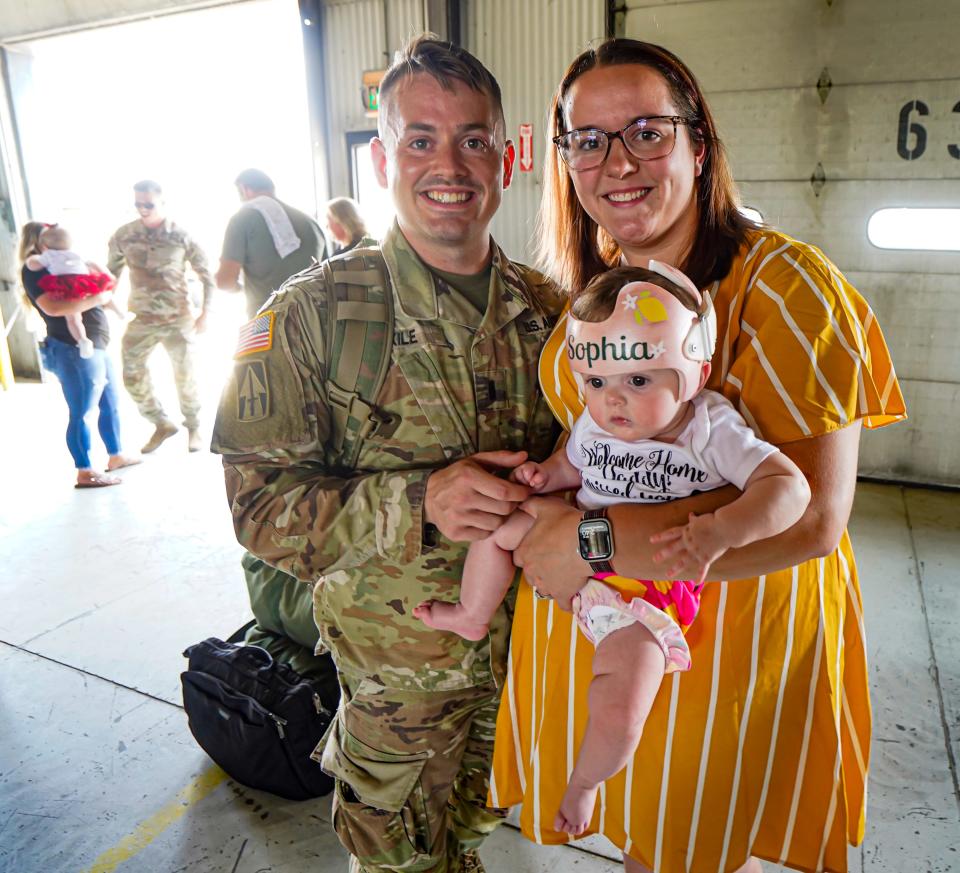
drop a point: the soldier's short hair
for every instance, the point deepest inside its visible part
(255, 180)
(597, 301)
(446, 62)
(147, 186)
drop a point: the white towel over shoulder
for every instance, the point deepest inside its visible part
(285, 239)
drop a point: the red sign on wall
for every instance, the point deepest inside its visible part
(526, 148)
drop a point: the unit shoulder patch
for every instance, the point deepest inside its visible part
(253, 391)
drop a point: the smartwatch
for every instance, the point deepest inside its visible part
(596, 540)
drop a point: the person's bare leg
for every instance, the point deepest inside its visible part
(487, 575)
(632, 866)
(628, 668)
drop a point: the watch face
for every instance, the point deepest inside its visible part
(596, 542)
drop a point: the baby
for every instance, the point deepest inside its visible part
(639, 342)
(68, 278)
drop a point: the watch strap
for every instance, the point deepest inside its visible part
(598, 566)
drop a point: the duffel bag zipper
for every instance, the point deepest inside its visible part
(279, 722)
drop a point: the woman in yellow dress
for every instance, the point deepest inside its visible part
(762, 749)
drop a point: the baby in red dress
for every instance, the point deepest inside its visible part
(69, 277)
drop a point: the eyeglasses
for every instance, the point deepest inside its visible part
(645, 138)
(144, 205)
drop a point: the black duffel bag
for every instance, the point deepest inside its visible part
(257, 718)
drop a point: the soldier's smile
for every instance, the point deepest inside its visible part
(448, 198)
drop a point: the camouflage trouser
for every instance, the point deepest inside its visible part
(412, 771)
(138, 342)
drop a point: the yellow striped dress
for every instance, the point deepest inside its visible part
(762, 747)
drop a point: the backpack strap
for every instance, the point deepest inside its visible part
(359, 341)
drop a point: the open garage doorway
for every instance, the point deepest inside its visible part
(187, 99)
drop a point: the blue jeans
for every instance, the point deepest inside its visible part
(87, 383)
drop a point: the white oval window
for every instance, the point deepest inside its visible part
(917, 228)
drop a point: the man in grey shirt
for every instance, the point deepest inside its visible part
(267, 239)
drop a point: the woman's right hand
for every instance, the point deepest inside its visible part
(549, 553)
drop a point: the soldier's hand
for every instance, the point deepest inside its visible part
(200, 325)
(467, 502)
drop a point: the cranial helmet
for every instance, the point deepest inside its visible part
(649, 329)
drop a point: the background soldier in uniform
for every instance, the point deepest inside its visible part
(157, 252)
(459, 402)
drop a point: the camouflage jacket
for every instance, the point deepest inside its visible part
(359, 536)
(158, 258)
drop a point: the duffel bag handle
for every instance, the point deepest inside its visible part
(251, 659)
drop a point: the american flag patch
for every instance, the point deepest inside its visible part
(256, 335)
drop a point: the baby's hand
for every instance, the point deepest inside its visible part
(694, 547)
(530, 473)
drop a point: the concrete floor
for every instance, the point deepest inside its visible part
(102, 589)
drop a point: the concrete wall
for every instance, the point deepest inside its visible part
(760, 63)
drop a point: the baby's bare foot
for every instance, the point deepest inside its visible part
(449, 617)
(576, 810)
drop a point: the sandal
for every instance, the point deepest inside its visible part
(98, 480)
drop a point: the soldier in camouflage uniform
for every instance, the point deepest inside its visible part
(157, 252)
(412, 741)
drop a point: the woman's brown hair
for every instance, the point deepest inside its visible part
(572, 247)
(347, 213)
(29, 245)
(30, 239)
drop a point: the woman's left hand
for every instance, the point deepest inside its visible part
(549, 553)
